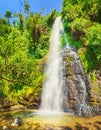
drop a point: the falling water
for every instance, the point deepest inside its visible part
(52, 95)
(68, 91)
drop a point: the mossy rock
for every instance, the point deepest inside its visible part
(92, 99)
(69, 59)
(70, 70)
(93, 104)
(70, 77)
(97, 90)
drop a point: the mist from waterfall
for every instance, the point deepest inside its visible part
(65, 84)
(52, 94)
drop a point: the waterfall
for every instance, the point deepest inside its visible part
(66, 84)
(52, 94)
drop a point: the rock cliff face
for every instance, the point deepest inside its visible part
(78, 96)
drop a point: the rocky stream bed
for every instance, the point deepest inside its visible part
(33, 120)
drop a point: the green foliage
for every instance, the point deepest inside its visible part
(82, 24)
(73, 43)
(2, 94)
(51, 17)
(97, 90)
(23, 46)
(39, 31)
(26, 7)
(8, 15)
(4, 27)
(21, 22)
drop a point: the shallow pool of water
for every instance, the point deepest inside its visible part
(44, 120)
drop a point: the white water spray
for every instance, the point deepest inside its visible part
(52, 95)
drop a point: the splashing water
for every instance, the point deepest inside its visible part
(52, 95)
(63, 92)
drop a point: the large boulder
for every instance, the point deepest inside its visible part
(79, 97)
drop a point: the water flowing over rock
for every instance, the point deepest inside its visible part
(52, 95)
(66, 86)
(76, 85)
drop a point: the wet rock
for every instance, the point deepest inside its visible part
(5, 127)
(85, 128)
(65, 128)
(76, 84)
(83, 96)
(32, 106)
(97, 122)
(97, 127)
(17, 121)
(78, 126)
(17, 107)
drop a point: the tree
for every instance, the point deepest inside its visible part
(82, 23)
(26, 7)
(8, 15)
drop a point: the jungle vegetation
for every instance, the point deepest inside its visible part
(82, 22)
(24, 44)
